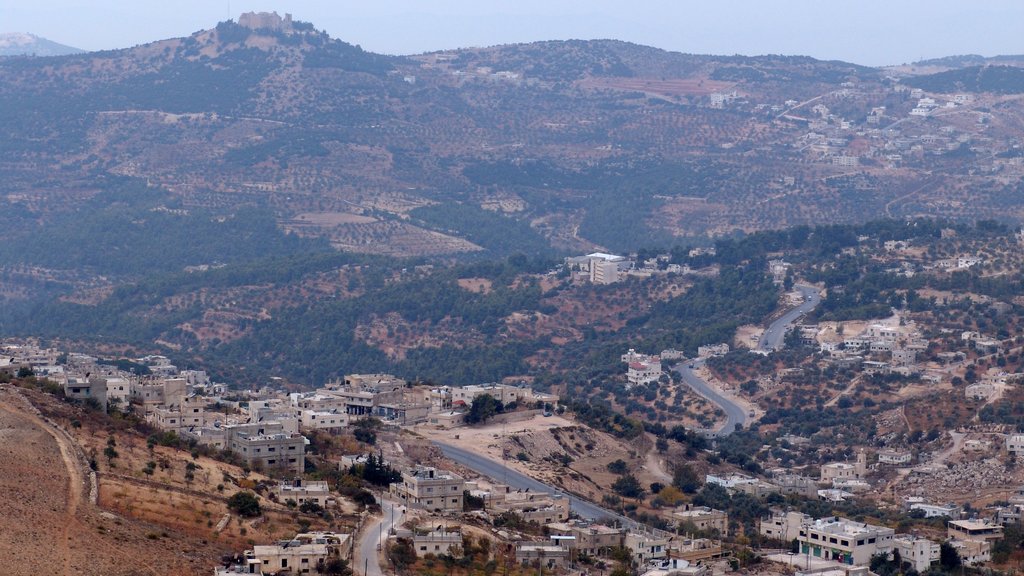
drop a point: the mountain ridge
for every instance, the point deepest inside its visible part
(384, 153)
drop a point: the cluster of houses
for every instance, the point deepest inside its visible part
(264, 428)
(855, 543)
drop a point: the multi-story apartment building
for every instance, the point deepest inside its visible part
(844, 540)
(430, 488)
(265, 445)
(920, 552)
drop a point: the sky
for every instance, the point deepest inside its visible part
(869, 32)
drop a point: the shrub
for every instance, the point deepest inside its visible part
(245, 504)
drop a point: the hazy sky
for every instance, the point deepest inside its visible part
(872, 32)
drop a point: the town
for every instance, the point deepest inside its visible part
(496, 474)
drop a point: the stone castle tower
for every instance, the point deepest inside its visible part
(266, 21)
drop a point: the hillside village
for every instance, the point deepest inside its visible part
(270, 431)
(558, 308)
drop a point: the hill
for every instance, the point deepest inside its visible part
(986, 78)
(346, 145)
(19, 44)
(260, 182)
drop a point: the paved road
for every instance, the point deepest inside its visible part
(734, 413)
(506, 475)
(367, 560)
(772, 338)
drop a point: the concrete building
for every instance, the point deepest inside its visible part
(895, 457)
(540, 507)
(603, 271)
(266, 446)
(646, 546)
(83, 389)
(784, 526)
(1015, 443)
(118, 391)
(360, 394)
(429, 488)
(436, 542)
(920, 552)
(937, 510)
(588, 538)
(302, 554)
(973, 552)
(405, 413)
(302, 491)
(973, 530)
(464, 395)
(834, 471)
(643, 373)
(702, 518)
(844, 541)
(545, 554)
(322, 420)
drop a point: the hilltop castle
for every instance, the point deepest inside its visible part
(266, 21)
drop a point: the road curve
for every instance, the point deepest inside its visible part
(771, 341)
(773, 336)
(734, 413)
(506, 475)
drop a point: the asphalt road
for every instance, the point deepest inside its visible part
(734, 413)
(506, 475)
(772, 338)
(376, 533)
(770, 341)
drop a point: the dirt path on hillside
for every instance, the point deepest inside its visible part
(655, 464)
(71, 464)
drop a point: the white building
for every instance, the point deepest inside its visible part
(302, 554)
(646, 546)
(322, 420)
(1015, 443)
(430, 488)
(845, 541)
(302, 491)
(920, 552)
(895, 457)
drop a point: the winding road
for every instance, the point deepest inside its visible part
(771, 340)
(734, 413)
(502, 473)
